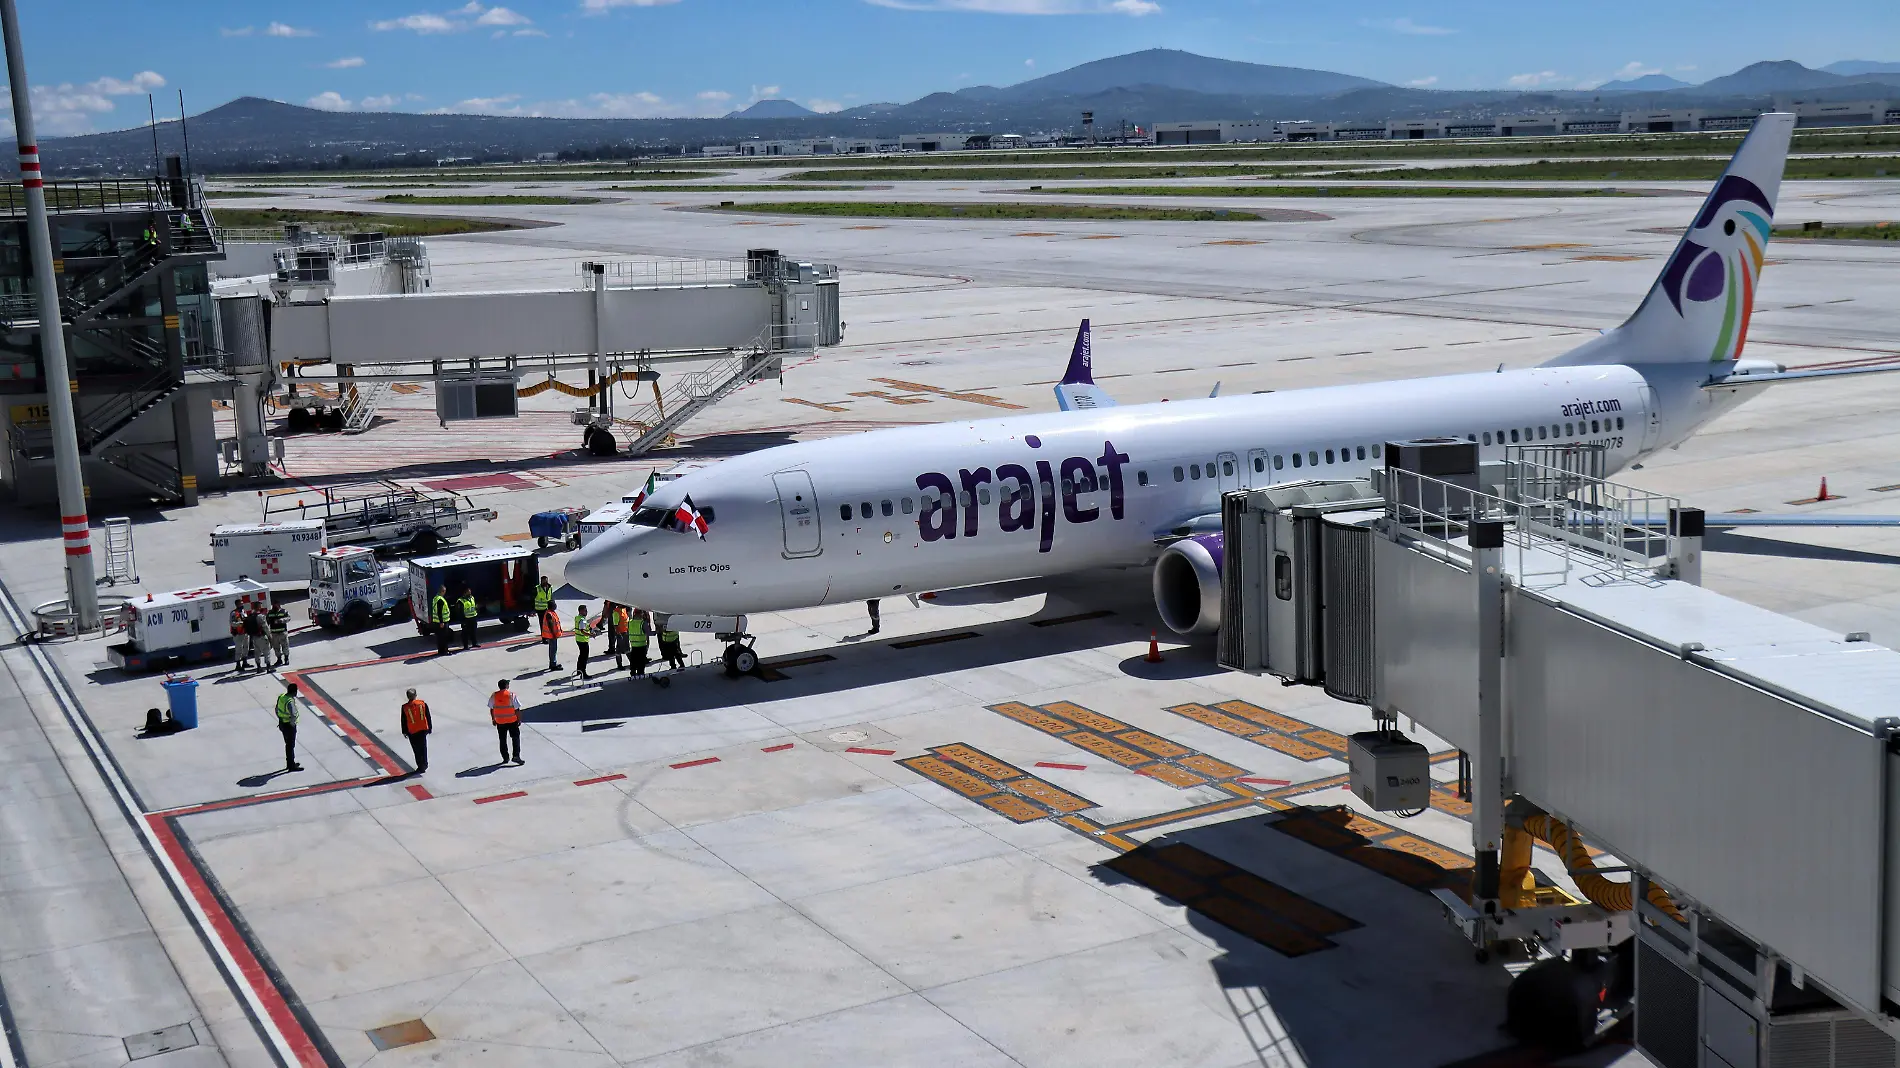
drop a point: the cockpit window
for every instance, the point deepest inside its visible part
(648, 517)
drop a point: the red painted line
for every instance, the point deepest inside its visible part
(259, 799)
(1266, 782)
(501, 797)
(1064, 767)
(777, 748)
(354, 733)
(602, 778)
(226, 932)
(872, 752)
(419, 791)
(695, 763)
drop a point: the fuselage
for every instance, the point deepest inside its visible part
(934, 507)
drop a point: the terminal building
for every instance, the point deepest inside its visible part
(1553, 124)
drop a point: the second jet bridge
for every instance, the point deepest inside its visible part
(742, 317)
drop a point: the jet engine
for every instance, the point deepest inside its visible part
(1187, 584)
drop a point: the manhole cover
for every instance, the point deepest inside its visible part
(153, 1043)
(850, 737)
(847, 736)
(406, 1033)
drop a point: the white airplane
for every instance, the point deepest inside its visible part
(912, 509)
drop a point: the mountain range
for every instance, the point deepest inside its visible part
(253, 134)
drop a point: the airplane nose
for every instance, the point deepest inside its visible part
(599, 569)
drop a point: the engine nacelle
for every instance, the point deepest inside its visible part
(1187, 584)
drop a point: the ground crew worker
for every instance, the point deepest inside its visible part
(416, 725)
(439, 615)
(617, 632)
(637, 642)
(506, 714)
(583, 633)
(469, 611)
(670, 647)
(259, 637)
(871, 607)
(277, 622)
(287, 725)
(551, 635)
(240, 641)
(543, 596)
(149, 237)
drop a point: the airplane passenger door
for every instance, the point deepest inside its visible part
(798, 511)
(1230, 478)
(1259, 469)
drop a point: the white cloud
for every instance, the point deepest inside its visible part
(379, 103)
(279, 29)
(601, 7)
(1421, 83)
(329, 101)
(65, 109)
(1406, 26)
(1136, 8)
(460, 20)
(143, 82)
(766, 92)
(529, 32)
(240, 31)
(346, 63)
(715, 96)
(822, 106)
(1535, 79)
(639, 104)
(1030, 63)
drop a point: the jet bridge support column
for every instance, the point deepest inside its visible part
(1685, 533)
(1487, 785)
(602, 401)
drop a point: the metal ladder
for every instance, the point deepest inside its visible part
(694, 392)
(120, 564)
(360, 400)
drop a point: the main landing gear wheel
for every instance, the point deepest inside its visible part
(740, 660)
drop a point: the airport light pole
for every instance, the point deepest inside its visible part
(81, 592)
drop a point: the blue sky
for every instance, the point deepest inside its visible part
(92, 62)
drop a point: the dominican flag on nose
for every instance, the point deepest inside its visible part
(687, 517)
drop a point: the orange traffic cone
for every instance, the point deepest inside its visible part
(1154, 648)
(1822, 496)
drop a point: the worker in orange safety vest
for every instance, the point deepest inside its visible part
(416, 725)
(505, 712)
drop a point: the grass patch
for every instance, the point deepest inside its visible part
(1329, 191)
(352, 221)
(1799, 168)
(499, 198)
(1008, 174)
(994, 211)
(1874, 231)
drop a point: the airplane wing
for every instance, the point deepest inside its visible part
(1800, 374)
(1077, 390)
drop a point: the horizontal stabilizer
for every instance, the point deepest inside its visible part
(1077, 391)
(1798, 375)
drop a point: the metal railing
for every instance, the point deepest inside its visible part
(652, 272)
(694, 391)
(1556, 520)
(101, 194)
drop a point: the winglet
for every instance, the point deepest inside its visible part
(1077, 388)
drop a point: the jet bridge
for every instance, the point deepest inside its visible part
(1744, 766)
(735, 320)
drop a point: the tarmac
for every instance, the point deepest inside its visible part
(919, 847)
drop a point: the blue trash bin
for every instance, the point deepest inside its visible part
(182, 696)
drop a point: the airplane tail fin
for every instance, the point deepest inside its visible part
(1078, 390)
(1699, 307)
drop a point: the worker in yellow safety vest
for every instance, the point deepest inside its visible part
(637, 642)
(505, 712)
(287, 725)
(469, 611)
(670, 647)
(543, 596)
(440, 617)
(583, 634)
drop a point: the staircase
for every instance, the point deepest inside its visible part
(361, 399)
(86, 297)
(161, 478)
(692, 393)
